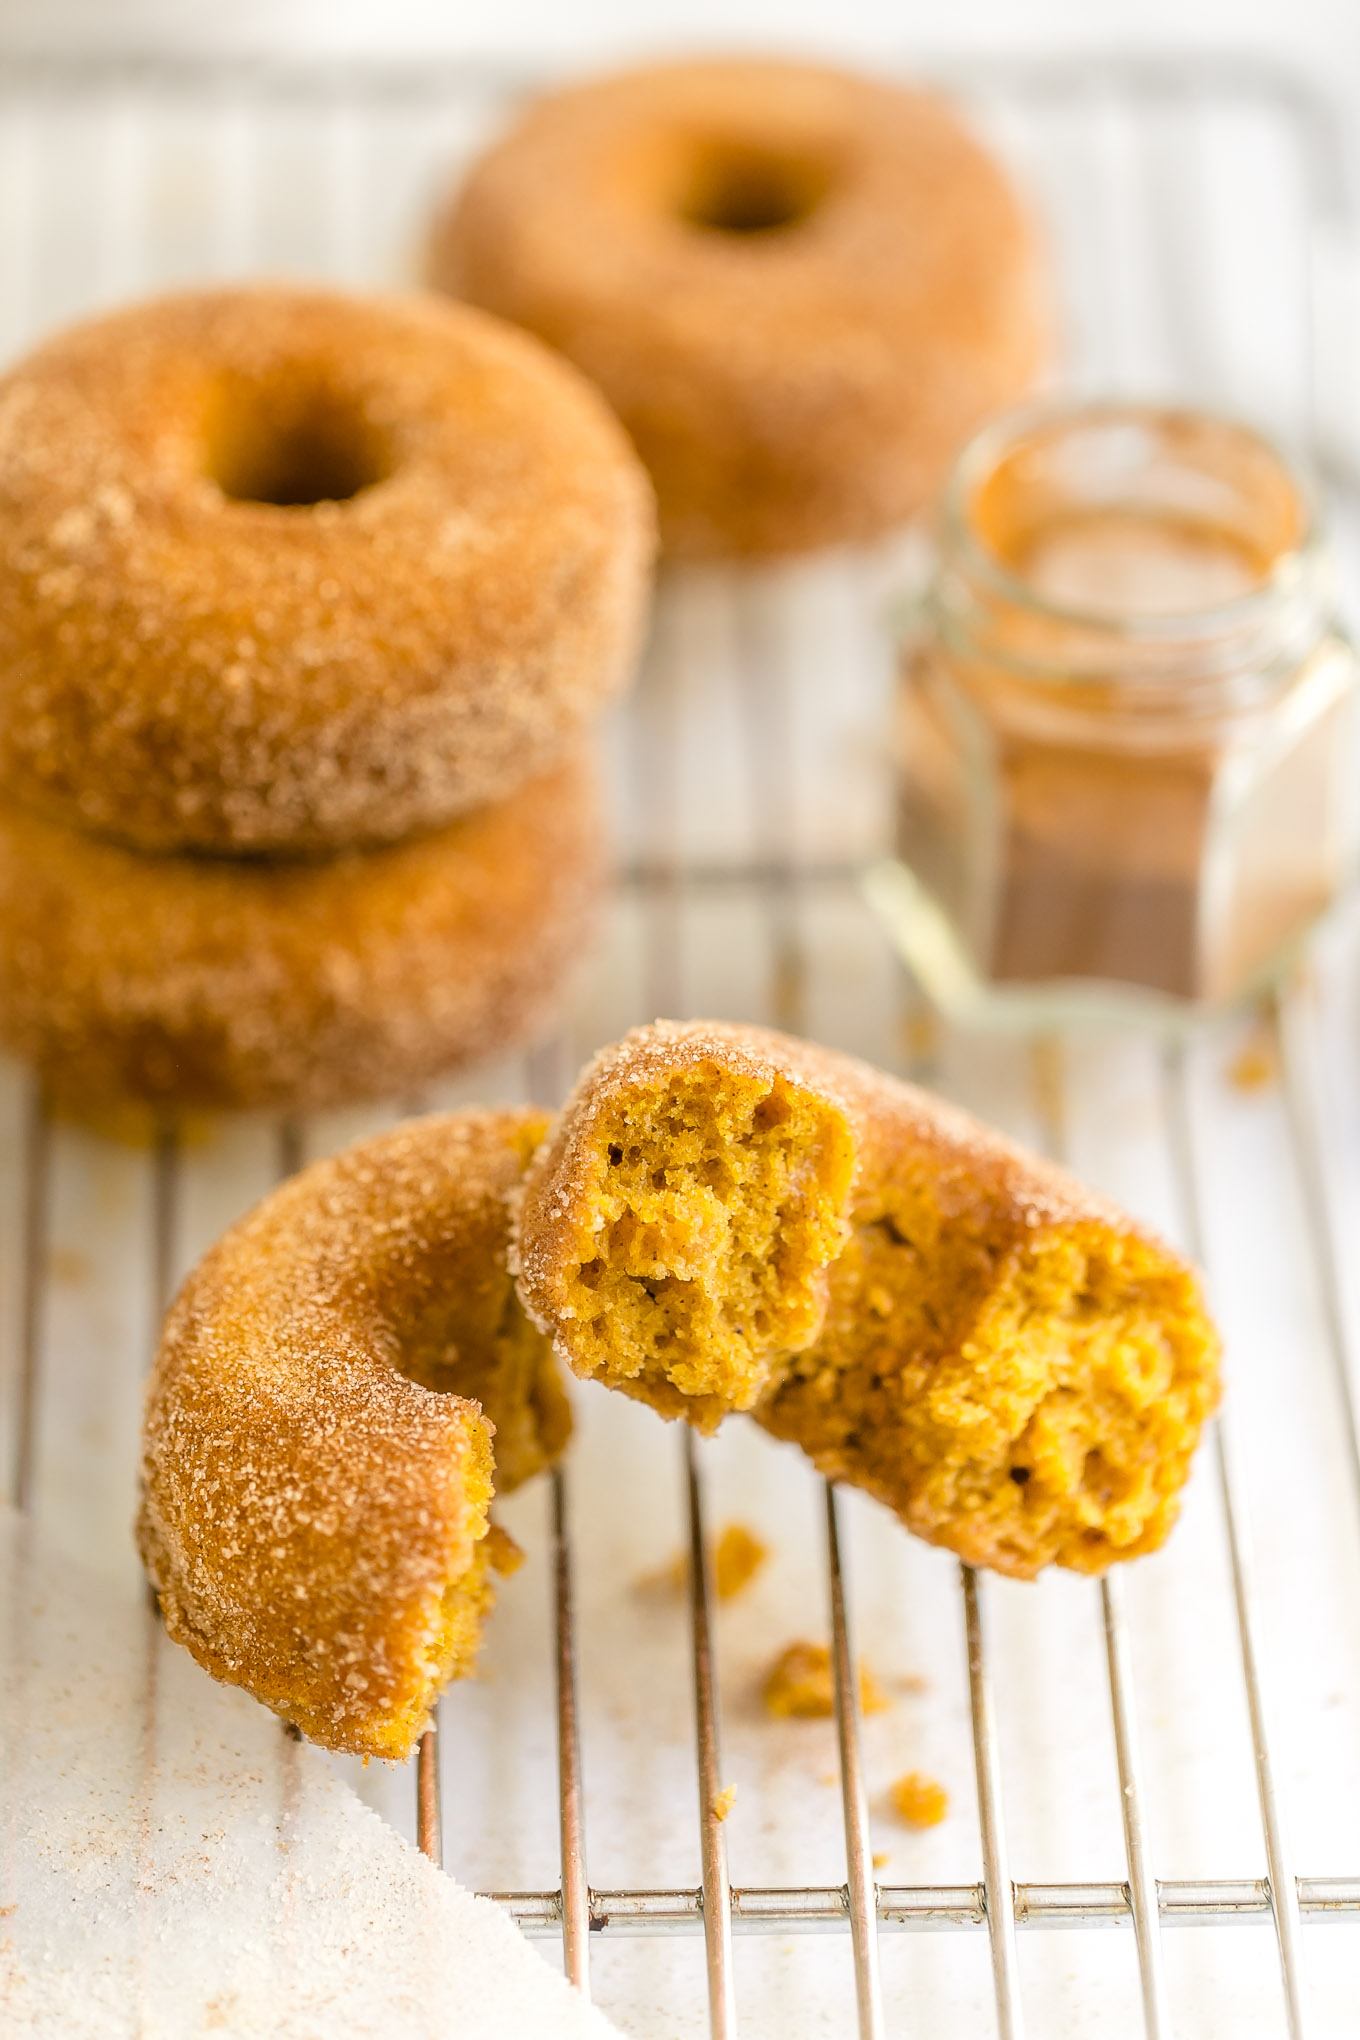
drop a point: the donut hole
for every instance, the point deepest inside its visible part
(292, 443)
(737, 189)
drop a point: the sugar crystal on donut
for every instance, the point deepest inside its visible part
(675, 1233)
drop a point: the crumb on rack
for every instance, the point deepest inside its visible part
(737, 1558)
(663, 1581)
(920, 1801)
(1256, 1063)
(722, 1805)
(799, 1684)
(503, 1555)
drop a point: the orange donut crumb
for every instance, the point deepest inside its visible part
(919, 1801)
(799, 1684)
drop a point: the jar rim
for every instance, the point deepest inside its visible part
(1290, 571)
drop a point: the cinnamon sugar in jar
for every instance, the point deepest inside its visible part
(1126, 732)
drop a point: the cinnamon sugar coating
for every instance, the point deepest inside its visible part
(286, 570)
(318, 1438)
(1008, 1362)
(801, 290)
(222, 983)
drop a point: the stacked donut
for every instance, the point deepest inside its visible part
(307, 604)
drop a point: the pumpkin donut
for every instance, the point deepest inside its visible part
(729, 1219)
(801, 291)
(285, 570)
(217, 983)
(317, 1451)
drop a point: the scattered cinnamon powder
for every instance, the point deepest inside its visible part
(800, 1685)
(920, 1801)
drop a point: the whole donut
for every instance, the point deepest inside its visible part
(726, 1218)
(222, 982)
(800, 290)
(287, 570)
(317, 1444)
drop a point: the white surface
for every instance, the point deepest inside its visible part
(1320, 33)
(171, 1868)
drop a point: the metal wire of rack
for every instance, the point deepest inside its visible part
(672, 856)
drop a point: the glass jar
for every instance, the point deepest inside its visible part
(1126, 723)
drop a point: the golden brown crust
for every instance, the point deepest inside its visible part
(790, 388)
(1007, 1360)
(183, 669)
(224, 983)
(312, 1518)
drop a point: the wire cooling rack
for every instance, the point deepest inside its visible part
(1196, 1714)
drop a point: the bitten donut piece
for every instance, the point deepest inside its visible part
(1006, 1360)
(802, 291)
(286, 570)
(317, 1446)
(204, 982)
(675, 1231)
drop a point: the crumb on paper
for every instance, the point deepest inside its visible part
(880, 1859)
(737, 1558)
(1256, 1064)
(799, 1684)
(920, 1034)
(914, 1682)
(873, 1698)
(503, 1555)
(722, 1805)
(662, 1581)
(920, 1801)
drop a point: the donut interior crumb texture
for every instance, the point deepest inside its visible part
(691, 1248)
(1024, 1386)
(317, 1462)
(1006, 1360)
